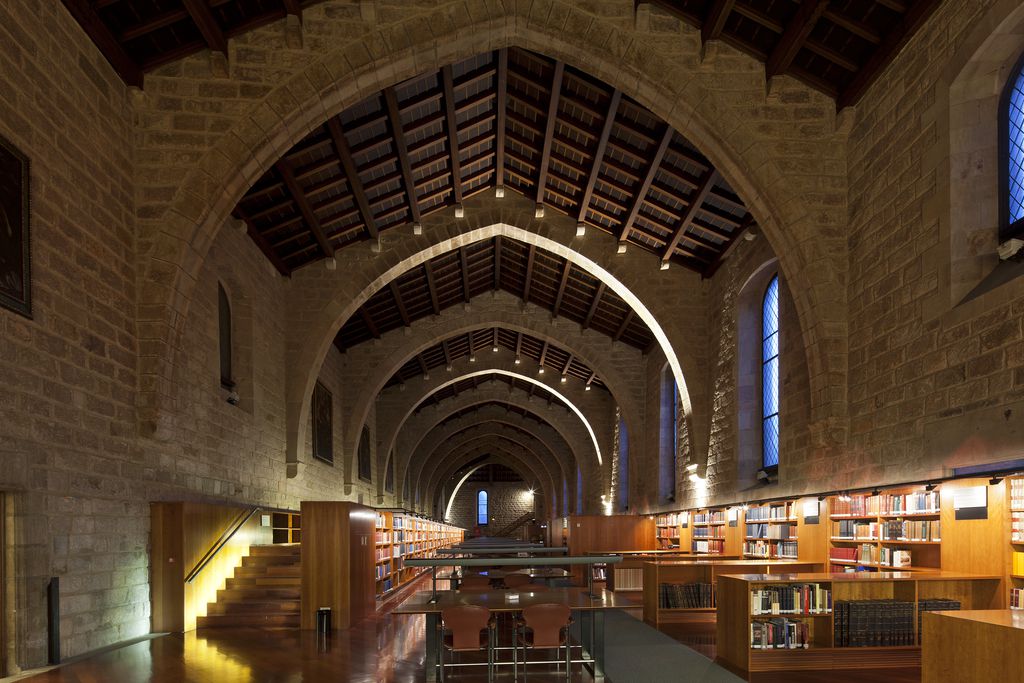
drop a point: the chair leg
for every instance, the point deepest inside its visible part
(515, 654)
(440, 659)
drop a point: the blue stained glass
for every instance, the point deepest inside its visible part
(481, 508)
(770, 375)
(1015, 143)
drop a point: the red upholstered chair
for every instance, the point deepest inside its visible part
(516, 580)
(543, 627)
(467, 628)
(475, 584)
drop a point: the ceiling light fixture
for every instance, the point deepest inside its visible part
(499, 192)
(494, 349)
(538, 211)
(663, 266)
(540, 370)
(417, 228)
(621, 249)
(581, 229)
(564, 379)
(460, 211)
(518, 360)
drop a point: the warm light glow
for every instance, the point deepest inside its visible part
(540, 370)
(692, 467)
(417, 228)
(460, 211)
(499, 192)
(581, 229)
(564, 379)
(539, 211)
(518, 360)
(664, 265)
(586, 388)
(621, 249)
(494, 349)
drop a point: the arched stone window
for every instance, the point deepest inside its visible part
(1011, 148)
(389, 475)
(482, 514)
(364, 455)
(668, 451)
(224, 332)
(770, 376)
(623, 466)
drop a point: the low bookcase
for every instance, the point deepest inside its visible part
(915, 591)
(692, 582)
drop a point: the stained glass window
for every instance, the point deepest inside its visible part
(481, 508)
(1015, 147)
(770, 375)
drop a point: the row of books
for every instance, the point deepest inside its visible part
(893, 557)
(865, 553)
(910, 503)
(714, 517)
(670, 519)
(382, 522)
(779, 634)
(1017, 527)
(383, 570)
(770, 512)
(1017, 598)
(383, 554)
(783, 549)
(712, 546)
(709, 532)
(855, 530)
(770, 530)
(912, 530)
(798, 598)
(1017, 563)
(1017, 494)
(383, 537)
(686, 596)
(855, 505)
(882, 623)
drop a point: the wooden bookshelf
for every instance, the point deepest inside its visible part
(899, 529)
(286, 527)
(711, 532)
(736, 615)
(628, 575)
(1015, 507)
(398, 536)
(700, 570)
(994, 640)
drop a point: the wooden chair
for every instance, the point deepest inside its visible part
(466, 628)
(543, 627)
(516, 580)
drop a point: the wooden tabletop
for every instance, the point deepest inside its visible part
(861, 576)
(1006, 618)
(498, 600)
(532, 572)
(735, 563)
(642, 552)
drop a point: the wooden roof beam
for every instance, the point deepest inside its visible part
(602, 145)
(499, 125)
(712, 27)
(432, 287)
(423, 364)
(543, 354)
(519, 343)
(593, 305)
(471, 344)
(453, 133)
(567, 365)
(497, 263)
(399, 304)
(207, 24)
(591, 378)
(652, 171)
(696, 199)
(395, 121)
(549, 130)
(355, 184)
(447, 353)
(916, 15)
(464, 269)
(626, 320)
(284, 169)
(797, 30)
(857, 28)
(494, 339)
(561, 287)
(528, 278)
(262, 243)
(125, 66)
(368, 321)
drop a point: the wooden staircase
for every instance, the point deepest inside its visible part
(264, 592)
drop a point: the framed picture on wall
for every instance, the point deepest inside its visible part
(323, 424)
(15, 265)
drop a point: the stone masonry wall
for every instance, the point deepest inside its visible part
(507, 501)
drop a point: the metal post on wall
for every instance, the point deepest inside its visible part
(53, 620)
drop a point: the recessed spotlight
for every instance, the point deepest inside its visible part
(417, 228)
(538, 211)
(518, 360)
(499, 192)
(494, 349)
(460, 211)
(581, 229)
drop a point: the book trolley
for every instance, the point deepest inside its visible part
(826, 621)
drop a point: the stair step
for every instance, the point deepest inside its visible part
(260, 581)
(269, 560)
(254, 607)
(277, 570)
(241, 593)
(253, 620)
(278, 549)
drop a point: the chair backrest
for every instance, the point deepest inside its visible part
(465, 622)
(516, 580)
(477, 582)
(547, 621)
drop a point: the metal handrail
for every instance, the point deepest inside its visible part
(239, 522)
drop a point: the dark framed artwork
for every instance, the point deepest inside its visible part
(15, 264)
(323, 424)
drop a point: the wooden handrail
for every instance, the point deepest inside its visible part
(232, 529)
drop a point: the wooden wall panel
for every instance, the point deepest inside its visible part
(812, 539)
(602, 533)
(978, 546)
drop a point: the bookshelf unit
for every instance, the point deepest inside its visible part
(906, 593)
(286, 527)
(398, 536)
(1015, 494)
(711, 534)
(697, 577)
(667, 529)
(898, 529)
(770, 531)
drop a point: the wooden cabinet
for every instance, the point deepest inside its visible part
(979, 646)
(337, 562)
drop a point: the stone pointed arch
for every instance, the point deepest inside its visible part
(785, 199)
(516, 458)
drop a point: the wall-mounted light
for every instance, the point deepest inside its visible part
(581, 229)
(692, 467)
(621, 249)
(518, 360)
(472, 358)
(540, 370)
(494, 349)
(995, 481)
(499, 192)
(460, 211)
(417, 228)
(563, 379)
(331, 264)
(586, 388)
(663, 266)
(930, 487)
(538, 211)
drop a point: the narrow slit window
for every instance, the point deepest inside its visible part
(770, 376)
(481, 508)
(1012, 129)
(224, 329)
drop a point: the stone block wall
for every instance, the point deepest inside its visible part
(507, 501)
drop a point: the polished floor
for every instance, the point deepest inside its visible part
(381, 649)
